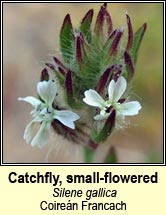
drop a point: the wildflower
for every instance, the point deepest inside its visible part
(114, 102)
(44, 113)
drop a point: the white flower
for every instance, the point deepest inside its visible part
(115, 91)
(44, 113)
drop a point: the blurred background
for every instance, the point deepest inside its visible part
(30, 36)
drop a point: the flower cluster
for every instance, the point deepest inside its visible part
(44, 112)
(94, 71)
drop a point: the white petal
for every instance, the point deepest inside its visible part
(100, 117)
(116, 90)
(31, 100)
(111, 89)
(92, 98)
(47, 91)
(130, 108)
(28, 133)
(66, 117)
(42, 135)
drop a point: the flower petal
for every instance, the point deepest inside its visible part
(66, 117)
(92, 98)
(130, 108)
(116, 90)
(31, 100)
(111, 89)
(42, 135)
(28, 133)
(47, 91)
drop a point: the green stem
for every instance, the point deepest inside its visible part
(88, 154)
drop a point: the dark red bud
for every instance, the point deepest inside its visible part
(117, 72)
(78, 50)
(129, 64)
(61, 71)
(109, 22)
(112, 34)
(130, 33)
(58, 62)
(104, 79)
(88, 17)
(116, 41)
(67, 21)
(44, 75)
(110, 122)
(100, 20)
(122, 100)
(69, 84)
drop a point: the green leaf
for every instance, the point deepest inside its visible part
(105, 55)
(110, 48)
(59, 77)
(106, 130)
(88, 155)
(86, 25)
(111, 156)
(138, 36)
(67, 39)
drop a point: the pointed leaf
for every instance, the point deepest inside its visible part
(58, 62)
(66, 39)
(86, 25)
(130, 34)
(107, 129)
(60, 75)
(100, 20)
(138, 36)
(115, 42)
(111, 156)
(104, 79)
(61, 71)
(104, 55)
(88, 154)
(109, 40)
(109, 22)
